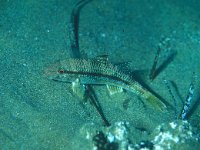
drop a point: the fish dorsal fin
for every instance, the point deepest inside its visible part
(102, 59)
(114, 89)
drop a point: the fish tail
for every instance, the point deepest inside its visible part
(148, 96)
(154, 101)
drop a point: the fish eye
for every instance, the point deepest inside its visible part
(61, 71)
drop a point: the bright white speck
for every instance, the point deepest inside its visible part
(103, 35)
(173, 125)
(110, 137)
(35, 38)
(176, 139)
(158, 147)
(87, 135)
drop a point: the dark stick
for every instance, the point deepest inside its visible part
(75, 52)
(94, 101)
(173, 97)
(188, 101)
(153, 69)
(74, 28)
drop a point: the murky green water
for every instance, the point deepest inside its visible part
(37, 113)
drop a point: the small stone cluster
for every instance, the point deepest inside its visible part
(172, 135)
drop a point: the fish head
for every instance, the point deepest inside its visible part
(59, 72)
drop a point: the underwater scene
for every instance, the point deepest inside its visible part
(99, 75)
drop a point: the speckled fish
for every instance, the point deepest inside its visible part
(99, 71)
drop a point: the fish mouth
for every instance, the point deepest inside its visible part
(51, 71)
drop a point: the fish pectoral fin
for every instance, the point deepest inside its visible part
(114, 89)
(78, 89)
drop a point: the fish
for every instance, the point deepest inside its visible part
(98, 71)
